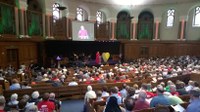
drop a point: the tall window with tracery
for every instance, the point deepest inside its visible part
(170, 17)
(196, 19)
(79, 14)
(99, 17)
(56, 12)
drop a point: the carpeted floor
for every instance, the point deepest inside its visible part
(72, 106)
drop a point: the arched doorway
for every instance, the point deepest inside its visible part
(145, 26)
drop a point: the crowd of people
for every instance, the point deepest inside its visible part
(134, 98)
(33, 103)
(130, 99)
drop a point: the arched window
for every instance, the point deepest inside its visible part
(123, 25)
(170, 17)
(79, 14)
(145, 26)
(196, 19)
(99, 17)
(56, 12)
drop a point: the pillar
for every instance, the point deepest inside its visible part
(47, 24)
(157, 28)
(22, 19)
(17, 21)
(134, 29)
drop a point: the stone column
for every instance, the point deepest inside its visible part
(22, 22)
(134, 26)
(157, 29)
(48, 16)
(182, 32)
(17, 21)
(182, 28)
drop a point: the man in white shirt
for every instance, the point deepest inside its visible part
(73, 83)
(89, 94)
(105, 93)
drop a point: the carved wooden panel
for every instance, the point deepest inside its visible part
(102, 32)
(59, 29)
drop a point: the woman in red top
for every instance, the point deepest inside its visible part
(98, 59)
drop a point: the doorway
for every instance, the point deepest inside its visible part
(13, 57)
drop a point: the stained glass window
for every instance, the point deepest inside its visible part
(79, 14)
(196, 19)
(99, 17)
(170, 17)
(56, 12)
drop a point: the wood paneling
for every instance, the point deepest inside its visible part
(27, 52)
(102, 32)
(59, 29)
(135, 49)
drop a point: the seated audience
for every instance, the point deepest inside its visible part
(34, 98)
(45, 78)
(26, 97)
(194, 105)
(89, 94)
(99, 96)
(15, 85)
(173, 99)
(160, 99)
(190, 86)
(131, 93)
(112, 105)
(73, 82)
(57, 103)
(115, 93)
(45, 105)
(136, 88)
(129, 104)
(123, 92)
(145, 88)
(22, 105)
(105, 92)
(2, 103)
(173, 90)
(141, 102)
(167, 88)
(181, 88)
(13, 100)
(32, 108)
(25, 85)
